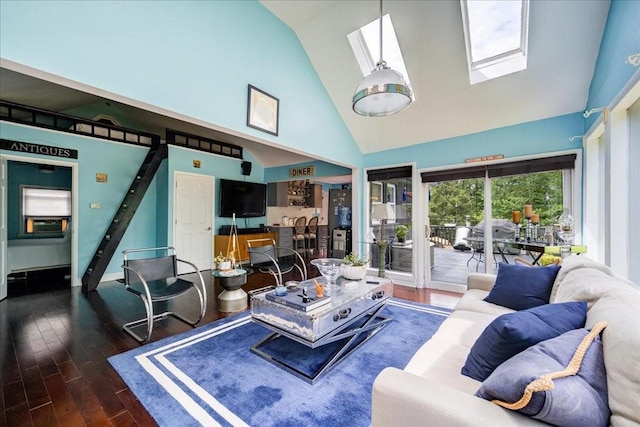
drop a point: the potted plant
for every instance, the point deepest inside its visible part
(355, 268)
(401, 233)
(222, 262)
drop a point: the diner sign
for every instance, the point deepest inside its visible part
(303, 171)
(27, 147)
(484, 158)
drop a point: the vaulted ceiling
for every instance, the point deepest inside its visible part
(564, 40)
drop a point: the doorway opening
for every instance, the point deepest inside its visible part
(38, 216)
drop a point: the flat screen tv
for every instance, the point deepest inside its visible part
(245, 199)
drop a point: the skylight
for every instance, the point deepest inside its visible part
(365, 43)
(496, 36)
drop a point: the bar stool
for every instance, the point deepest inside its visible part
(298, 234)
(311, 234)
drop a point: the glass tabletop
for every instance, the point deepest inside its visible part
(234, 272)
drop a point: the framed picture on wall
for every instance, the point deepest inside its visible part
(262, 111)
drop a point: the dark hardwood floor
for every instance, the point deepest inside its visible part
(54, 348)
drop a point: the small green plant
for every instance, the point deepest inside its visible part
(401, 232)
(220, 258)
(354, 260)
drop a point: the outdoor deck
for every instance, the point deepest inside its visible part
(450, 265)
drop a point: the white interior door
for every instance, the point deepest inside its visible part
(3, 228)
(193, 219)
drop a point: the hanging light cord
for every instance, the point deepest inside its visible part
(381, 60)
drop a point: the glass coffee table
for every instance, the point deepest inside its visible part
(309, 343)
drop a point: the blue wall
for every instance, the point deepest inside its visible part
(542, 136)
(181, 159)
(621, 38)
(152, 224)
(29, 174)
(192, 57)
(120, 162)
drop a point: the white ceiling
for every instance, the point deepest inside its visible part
(564, 39)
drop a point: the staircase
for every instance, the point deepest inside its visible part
(123, 217)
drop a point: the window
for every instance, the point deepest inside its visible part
(45, 210)
(365, 43)
(496, 37)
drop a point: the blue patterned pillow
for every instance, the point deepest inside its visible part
(519, 287)
(512, 333)
(567, 399)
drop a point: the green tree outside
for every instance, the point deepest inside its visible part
(451, 201)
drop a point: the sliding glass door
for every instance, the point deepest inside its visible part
(526, 198)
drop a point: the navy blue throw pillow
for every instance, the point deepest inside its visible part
(513, 333)
(519, 287)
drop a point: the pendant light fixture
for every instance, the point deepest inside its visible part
(383, 92)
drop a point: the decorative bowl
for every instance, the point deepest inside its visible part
(352, 272)
(330, 268)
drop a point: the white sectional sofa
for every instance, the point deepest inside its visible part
(431, 391)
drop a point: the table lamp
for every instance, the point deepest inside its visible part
(382, 212)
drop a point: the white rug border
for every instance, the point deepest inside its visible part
(146, 361)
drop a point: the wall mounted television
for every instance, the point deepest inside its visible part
(245, 199)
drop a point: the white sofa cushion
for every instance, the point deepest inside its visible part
(473, 300)
(441, 358)
(621, 343)
(616, 301)
(581, 279)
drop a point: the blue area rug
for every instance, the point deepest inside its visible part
(209, 376)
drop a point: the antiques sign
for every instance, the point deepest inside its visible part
(484, 158)
(303, 171)
(27, 147)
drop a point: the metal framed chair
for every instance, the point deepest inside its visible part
(151, 274)
(298, 234)
(265, 256)
(312, 235)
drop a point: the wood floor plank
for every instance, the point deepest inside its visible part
(93, 374)
(37, 394)
(46, 364)
(18, 416)
(135, 408)
(87, 403)
(69, 371)
(44, 416)
(123, 419)
(14, 394)
(63, 404)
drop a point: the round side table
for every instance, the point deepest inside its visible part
(233, 298)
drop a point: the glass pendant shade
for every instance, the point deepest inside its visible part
(381, 93)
